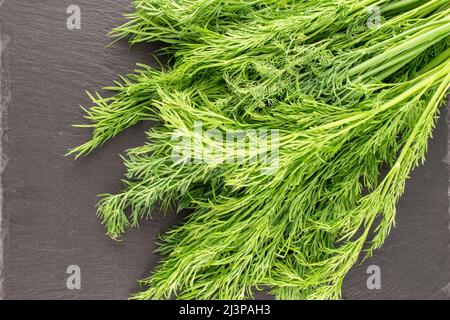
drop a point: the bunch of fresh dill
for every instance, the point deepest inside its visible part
(348, 86)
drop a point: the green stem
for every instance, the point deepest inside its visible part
(430, 37)
(433, 104)
(435, 62)
(420, 86)
(424, 83)
(402, 5)
(388, 68)
(433, 21)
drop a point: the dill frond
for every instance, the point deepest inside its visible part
(345, 99)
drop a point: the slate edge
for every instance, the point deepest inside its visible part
(5, 98)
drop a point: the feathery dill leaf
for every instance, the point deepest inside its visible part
(346, 99)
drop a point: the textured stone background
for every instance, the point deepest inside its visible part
(48, 200)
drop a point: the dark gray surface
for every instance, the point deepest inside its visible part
(48, 200)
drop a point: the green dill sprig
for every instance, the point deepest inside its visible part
(345, 100)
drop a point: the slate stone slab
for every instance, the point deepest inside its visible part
(48, 214)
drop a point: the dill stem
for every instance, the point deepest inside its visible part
(399, 5)
(431, 37)
(435, 62)
(393, 65)
(420, 86)
(396, 38)
(421, 29)
(420, 11)
(367, 115)
(432, 105)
